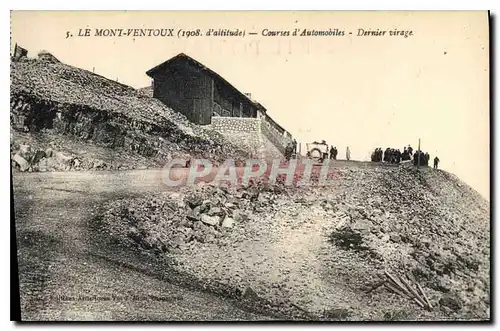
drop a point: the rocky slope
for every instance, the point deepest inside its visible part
(320, 252)
(49, 99)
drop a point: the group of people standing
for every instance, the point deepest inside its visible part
(422, 159)
(392, 155)
(334, 152)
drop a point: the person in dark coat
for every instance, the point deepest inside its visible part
(405, 156)
(436, 161)
(393, 155)
(398, 156)
(410, 150)
(415, 158)
(331, 152)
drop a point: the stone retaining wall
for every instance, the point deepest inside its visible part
(277, 138)
(240, 130)
(236, 124)
(251, 132)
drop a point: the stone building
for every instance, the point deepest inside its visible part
(204, 97)
(189, 87)
(19, 52)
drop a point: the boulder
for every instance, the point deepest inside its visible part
(192, 215)
(193, 201)
(396, 238)
(239, 216)
(205, 206)
(210, 220)
(228, 222)
(229, 205)
(25, 152)
(21, 162)
(98, 164)
(76, 163)
(209, 238)
(43, 165)
(178, 240)
(215, 211)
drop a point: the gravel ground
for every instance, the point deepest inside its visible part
(69, 271)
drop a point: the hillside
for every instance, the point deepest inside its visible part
(309, 252)
(55, 99)
(320, 252)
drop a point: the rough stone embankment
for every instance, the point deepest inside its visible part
(54, 99)
(321, 251)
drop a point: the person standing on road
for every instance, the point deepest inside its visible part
(348, 153)
(410, 151)
(436, 161)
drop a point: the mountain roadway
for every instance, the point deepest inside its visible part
(68, 271)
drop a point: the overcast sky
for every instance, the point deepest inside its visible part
(362, 92)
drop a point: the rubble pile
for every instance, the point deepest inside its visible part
(66, 153)
(175, 222)
(57, 99)
(427, 224)
(32, 159)
(325, 249)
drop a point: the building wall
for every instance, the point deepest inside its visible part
(186, 91)
(236, 124)
(243, 131)
(197, 95)
(228, 103)
(274, 124)
(275, 136)
(251, 132)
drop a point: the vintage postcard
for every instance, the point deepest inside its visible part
(251, 165)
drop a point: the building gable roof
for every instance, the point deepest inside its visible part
(215, 76)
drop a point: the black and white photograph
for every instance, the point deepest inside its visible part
(199, 166)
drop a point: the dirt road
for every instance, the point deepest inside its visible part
(68, 271)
